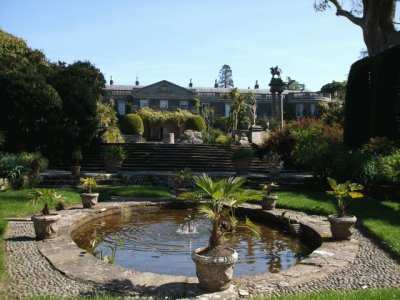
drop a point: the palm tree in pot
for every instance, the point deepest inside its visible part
(45, 225)
(113, 156)
(269, 201)
(341, 223)
(214, 263)
(76, 158)
(89, 199)
(242, 158)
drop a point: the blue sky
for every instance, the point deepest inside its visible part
(177, 40)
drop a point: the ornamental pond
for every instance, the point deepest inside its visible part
(160, 241)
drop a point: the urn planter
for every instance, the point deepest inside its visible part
(89, 199)
(46, 226)
(214, 273)
(268, 202)
(341, 227)
(75, 170)
(242, 166)
(113, 165)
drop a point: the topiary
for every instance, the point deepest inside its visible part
(132, 124)
(195, 123)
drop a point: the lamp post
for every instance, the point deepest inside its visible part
(276, 88)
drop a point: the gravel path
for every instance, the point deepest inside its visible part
(31, 274)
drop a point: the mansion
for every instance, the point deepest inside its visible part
(165, 95)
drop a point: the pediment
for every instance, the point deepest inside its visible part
(163, 89)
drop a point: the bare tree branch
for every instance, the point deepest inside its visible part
(344, 13)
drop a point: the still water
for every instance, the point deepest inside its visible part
(155, 241)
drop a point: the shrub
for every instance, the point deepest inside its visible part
(195, 123)
(132, 124)
(379, 146)
(242, 153)
(192, 137)
(223, 139)
(114, 152)
(320, 149)
(387, 168)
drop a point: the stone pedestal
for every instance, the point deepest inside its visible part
(168, 138)
(256, 134)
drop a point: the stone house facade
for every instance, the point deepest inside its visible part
(165, 95)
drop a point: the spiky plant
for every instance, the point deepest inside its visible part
(47, 196)
(88, 183)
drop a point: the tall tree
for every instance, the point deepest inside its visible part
(294, 85)
(30, 107)
(336, 89)
(225, 77)
(375, 17)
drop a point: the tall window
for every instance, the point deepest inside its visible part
(227, 109)
(144, 103)
(163, 104)
(313, 109)
(299, 110)
(184, 104)
(121, 107)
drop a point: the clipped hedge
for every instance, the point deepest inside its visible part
(373, 98)
(196, 123)
(132, 124)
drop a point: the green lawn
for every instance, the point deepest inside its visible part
(381, 218)
(381, 294)
(132, 191)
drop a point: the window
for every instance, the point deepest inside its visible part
(121, 107)
(313, 109)
(184, 104)
(299, 110)
(163, 104)
(227, 109)
(144, 103)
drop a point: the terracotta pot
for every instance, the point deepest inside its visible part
(341, 227)
(89, 199)
(75, 170)
(113, 165)
(242, 166)
(268, 202)
(274, 171)
(214, 273)
(45, 226)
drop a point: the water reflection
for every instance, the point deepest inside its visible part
(161, 241)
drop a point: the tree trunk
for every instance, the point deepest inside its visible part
(377, 24)
(216, 237)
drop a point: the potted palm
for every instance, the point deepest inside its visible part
(273, 162)
(242, 158)
(214, 263)
(342, 224)
(76, 158)
(45, 225)
(182, 180)
(89, 199)
(113, 157)
(269, 201)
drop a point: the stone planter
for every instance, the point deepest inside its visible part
(214, 273)
(75, 170)
(45, 226)
(113, 165)
(89, 199)
(341, 227)
(274, 171)
(242, 166)
(268, 202)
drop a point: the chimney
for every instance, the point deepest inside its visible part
(190, 83)
(111, 81)
(137, 81)
(216, 84)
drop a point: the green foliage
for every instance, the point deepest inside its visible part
(114, 152)
(320, 149)
(223, 139)
(331, 112)
(224, 195)
(46, 196)
(107, 118)
(88, 183)
(79, 85)
(77, 156)
(344, 192)
(336, 89)
(268, 187)
(132, 124)
(196, 123)
(2, 138)
(225, 77)
(183, 178)
(34, 160)
(273, 159)
(141, 191)
(242, 153)
(31, 108)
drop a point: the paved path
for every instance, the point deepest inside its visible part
(31, 274)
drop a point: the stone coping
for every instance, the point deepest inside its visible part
(76, 263)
